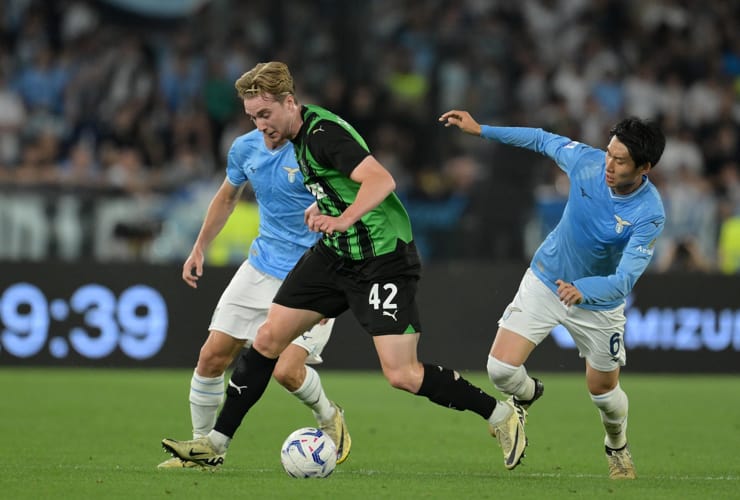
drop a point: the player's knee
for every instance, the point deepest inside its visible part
(212, 363)
(505, 377)
(265, 342)
(601, 386)
(404, 378)
(289, 376)
(399, 382)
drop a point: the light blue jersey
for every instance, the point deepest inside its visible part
(281, 198)
(603, 241)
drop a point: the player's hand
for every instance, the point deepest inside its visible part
(327, 224)
(310, 212)
(192, 269)
(461, 120)
(568, 293)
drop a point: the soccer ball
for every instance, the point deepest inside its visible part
(308, 452)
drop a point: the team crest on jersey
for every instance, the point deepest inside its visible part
(621, 223)
(291, 173)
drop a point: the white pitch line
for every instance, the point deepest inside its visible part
(551, 475)
(369, 472)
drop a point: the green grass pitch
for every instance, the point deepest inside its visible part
(79, 434)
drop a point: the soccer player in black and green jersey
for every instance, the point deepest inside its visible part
(366, 261)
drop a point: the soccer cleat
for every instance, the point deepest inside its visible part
(178, 463)
(337, 431)
(620, 463)
(510, 435)
(199, 450)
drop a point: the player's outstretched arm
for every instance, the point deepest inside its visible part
(219, 210)
(461, 120)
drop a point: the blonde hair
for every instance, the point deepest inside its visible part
(272, 78)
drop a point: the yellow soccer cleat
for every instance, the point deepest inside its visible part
(178, 463)
(620, 461)
(337, 431)
(200, 451)
(510, 435)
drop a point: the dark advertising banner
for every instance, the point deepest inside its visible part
(102, 315)
(145, 316)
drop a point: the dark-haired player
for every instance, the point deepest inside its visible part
(583, 271)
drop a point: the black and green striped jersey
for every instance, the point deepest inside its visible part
(328, 149)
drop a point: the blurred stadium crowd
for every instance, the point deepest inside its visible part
(115, 116)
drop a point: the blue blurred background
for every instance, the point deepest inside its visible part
(116, 114)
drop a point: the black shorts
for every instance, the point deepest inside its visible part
(380, 291)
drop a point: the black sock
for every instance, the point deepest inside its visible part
(441, 386)
(248, 382)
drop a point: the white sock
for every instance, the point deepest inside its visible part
(311, 393)
(206, 395)
(500, 413)
(219, 441)
(613, 407)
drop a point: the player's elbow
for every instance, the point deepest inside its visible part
(391, 186)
